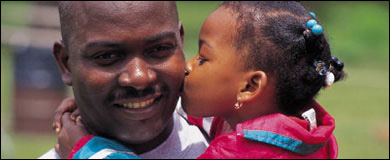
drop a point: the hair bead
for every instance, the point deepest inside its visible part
(310, 23)
(329, 80)
(312, 14)
(339, 65)
(320, 67)
(317, 29)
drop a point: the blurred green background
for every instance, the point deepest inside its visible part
(358, 33)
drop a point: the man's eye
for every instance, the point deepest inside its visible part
(160, 51)
(160, 48)
(107, 55)
(106, 58)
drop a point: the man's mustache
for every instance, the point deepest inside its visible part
(130, 92)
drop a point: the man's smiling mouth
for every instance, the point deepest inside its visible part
(138, 104)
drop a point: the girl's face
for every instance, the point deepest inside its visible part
(212, 85)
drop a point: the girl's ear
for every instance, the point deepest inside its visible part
(253, 86)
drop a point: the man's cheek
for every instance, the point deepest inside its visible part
(95, 82)
(175, 71)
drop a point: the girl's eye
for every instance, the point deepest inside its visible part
(106, 58)
(201, 60)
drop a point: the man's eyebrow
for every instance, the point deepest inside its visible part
(152, 39)
(101, 44)
(155, 38)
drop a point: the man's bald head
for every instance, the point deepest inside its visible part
(73, 14)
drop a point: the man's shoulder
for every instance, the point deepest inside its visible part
(208, 126)
(185, 128)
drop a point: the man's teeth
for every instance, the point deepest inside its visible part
(139, 104)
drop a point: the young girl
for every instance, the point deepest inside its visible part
(259, 67)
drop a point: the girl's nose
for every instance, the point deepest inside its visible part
(189, 66)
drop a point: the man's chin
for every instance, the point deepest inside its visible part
(139, 138)
(153, 133)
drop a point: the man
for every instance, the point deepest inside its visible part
(125, 63)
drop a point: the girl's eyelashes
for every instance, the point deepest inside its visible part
(201, 60)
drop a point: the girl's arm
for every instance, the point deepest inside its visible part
(74, 142)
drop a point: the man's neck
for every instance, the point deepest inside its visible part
(155, 142)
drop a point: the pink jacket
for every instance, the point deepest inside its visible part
(276, 136)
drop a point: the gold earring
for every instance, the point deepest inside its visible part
(238, 104)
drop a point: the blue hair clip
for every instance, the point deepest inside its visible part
(313, 25)
(312, 14)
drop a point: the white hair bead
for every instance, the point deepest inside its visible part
(329, 79)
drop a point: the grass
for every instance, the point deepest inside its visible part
(15, 13)
(362, 35)
(360, 106)
(6, 83)
(28, 146)
(192, 14)
(358, 33)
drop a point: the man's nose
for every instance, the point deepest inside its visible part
(138, 74)
(189, 65)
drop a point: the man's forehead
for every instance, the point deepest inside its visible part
(78, 18)
(127, 8)
(131, 14)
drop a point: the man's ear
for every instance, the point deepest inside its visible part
(253, 86)
(181, 32)
(62, 58)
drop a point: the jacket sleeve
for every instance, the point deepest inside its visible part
(95, 147)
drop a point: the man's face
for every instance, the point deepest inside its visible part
(126, 65)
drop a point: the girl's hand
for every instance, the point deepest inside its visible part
(72, 131)
(67, 105)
